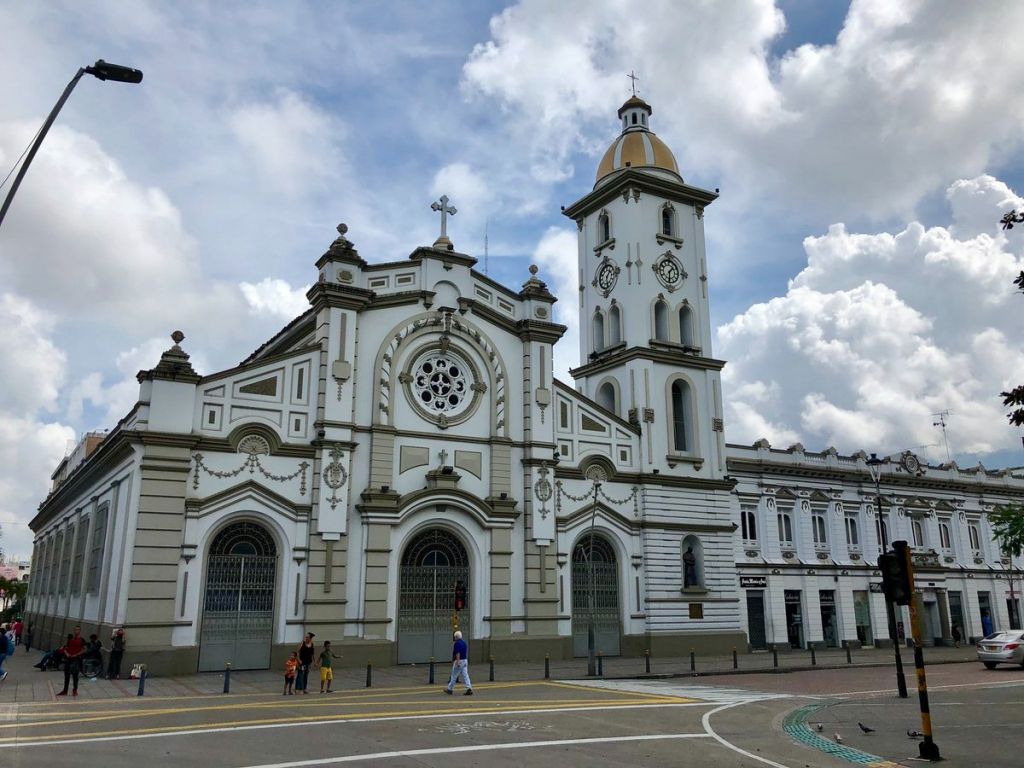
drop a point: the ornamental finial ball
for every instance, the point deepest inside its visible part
(177, 337)
(533, 269)
(342, 229)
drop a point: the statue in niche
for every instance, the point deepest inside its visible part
(690, 569)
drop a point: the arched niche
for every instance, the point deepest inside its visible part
(692, 563)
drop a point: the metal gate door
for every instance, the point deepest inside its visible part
(755, 620)
(433, 565)
(238, 608)
(595, 583)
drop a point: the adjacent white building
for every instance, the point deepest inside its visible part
(400, 458)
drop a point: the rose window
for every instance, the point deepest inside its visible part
(441, 383)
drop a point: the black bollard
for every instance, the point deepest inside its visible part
(735, 659)
(227, 677)
(849, 659)
(814, 658)
(647, 661)
(600, 664)
(693, 661)
(547, 667)
(430, 675)
(369, 674)
(142, 682)
(775, 657)
(491, 676)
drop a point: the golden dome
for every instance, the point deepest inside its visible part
(637, 146)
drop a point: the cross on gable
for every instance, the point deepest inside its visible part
(442, 207)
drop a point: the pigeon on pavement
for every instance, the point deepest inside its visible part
(915, 734)
(839, 739)
(820, 727)
(865, 728)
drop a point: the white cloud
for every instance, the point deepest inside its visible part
(879, 332)
(34, 368)
(290, 141)
(276, 298)
(556, 257)
(908, 96)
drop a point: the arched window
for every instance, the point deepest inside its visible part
(944, 538)
(668, 221)
(882, 529)
(785, 529)
(604, 227)
(686, 326)
(852, 534)
(614, 326)
(634, 118)
(918, 531)
(606, 397)
(819, 529)
(748, 519)
(661, 320)
(682, 431)
(598, 331)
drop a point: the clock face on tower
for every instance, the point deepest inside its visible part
(669, 271)
(606, 276)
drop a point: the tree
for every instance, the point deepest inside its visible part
(1015, 396)
(1007, 521)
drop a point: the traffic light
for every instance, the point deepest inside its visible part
(460, 595)
(896, 581)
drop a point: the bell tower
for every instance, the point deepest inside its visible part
(645, 327)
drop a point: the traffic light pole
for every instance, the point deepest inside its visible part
(928, 749)
(901, 680)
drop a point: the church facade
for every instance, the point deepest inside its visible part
(400, 460)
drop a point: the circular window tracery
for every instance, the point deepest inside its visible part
(441, 383)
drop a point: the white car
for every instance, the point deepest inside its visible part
(1002, 648)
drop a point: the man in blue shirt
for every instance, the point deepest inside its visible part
(460, 665)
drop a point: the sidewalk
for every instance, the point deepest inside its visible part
(25, 684)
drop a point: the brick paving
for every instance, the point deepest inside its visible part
(26, 684)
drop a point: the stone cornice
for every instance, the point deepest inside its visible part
(448, 258)
(579, 396)
(251, 363)
(634, 177)
(336, 295)
(618, 358)
(648, 478)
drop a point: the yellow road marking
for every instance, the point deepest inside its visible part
(320, 703)
(275, 695)
(324, 718)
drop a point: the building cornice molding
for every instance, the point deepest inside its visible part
(635, 177)
(622, 356)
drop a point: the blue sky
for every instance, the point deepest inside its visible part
(201, 198)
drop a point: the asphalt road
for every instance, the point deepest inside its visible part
(726, 721)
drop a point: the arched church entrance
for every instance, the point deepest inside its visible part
(595, 596)
(434, 565)
(238, 602)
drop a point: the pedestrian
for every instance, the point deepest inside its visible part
(956, 636)
(986, 623)
(3, 650)
(19, 627)
(290, 667)
(117, 643)
(325, 664)
(28, 639)
(73, 652)
(305, 653)
(460, 665)
(92, 659)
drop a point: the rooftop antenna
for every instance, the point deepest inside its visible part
(487, 260)
(942, 416)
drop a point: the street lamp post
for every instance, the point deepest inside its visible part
(875, 470)
(100, 70)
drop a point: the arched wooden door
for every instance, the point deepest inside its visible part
(434, 563)
(595, 596)
(238, 599)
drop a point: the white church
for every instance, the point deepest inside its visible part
(400, 459)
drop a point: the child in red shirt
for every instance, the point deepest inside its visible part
(290, 666)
